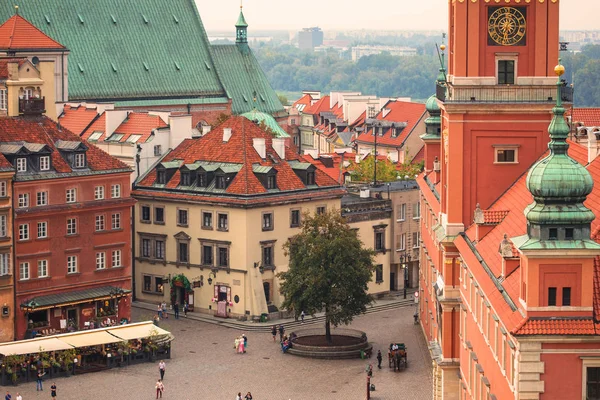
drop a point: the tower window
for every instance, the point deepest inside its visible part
(506, 72)
(566, 296)
(569, 233)
(551, 296)
(553, 234)
(506, 155)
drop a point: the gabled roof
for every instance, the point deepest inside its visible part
(587, 116)
(400, 112)
(420, 156)
(42, 133)
(303, 102)
(120, 51)
(238, 150)
(142, 124)
(243, 78)
(19, 34)
(321, 105)
(77, 119)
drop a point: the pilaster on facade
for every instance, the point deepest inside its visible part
(529, 384)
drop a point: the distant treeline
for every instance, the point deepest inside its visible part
(583, 70)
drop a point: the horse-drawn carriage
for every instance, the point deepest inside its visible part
(397, 356)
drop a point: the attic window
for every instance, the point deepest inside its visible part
(161, 177)
(271, 182)
(133, 138)
(115, 137)
(569, 233)
(553, 234)
(222, 182)
(79, 161)
(95, 136)
(185, 179)
(310, 178)
(202, 179)
(245, 99)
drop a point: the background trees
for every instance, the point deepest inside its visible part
(329, 270)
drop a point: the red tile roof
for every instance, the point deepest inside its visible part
(494, 217)
(557, 326)
(321, 105)
(587, 116)
(99, 125)
(336, 159)
(77, 119)
(399, 111)
(43, 130)
(360, 120)
(239, 149)
(17, 34)
(4, 65)
(140, 124)
(420, 156)
(303, 101)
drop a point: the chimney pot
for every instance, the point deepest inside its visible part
(226, 134)
(279, 147)
(260, 147)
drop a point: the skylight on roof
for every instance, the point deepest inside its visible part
(115, 137)
(133, 138)
(95, 136)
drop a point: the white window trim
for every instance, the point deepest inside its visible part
(74, 197)
(41, 263)
(500, 147)
(99, 193)
(45, 163)
(21, 164)
(101, 260)
(75, 226)
(402, 216)
(116, 256)
(43, 195)
(508, 57)
(70, 265)
(44, 225)
(115, 191)
(26, 230)
(22, 268)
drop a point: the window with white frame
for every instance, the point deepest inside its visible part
(506, 154)
(24, 271)
(71, 226)
(99, 193)
(99, 223)
(401, 212)
(23, 200)
(24, 232)
(100, 260)
(71, 264)
(4, 264)
(417, 210)
(116, 258)
(71, 195)
(116, 221)
(416, 240)
(42, 230)
(157, 150)
(115, 191)
(3, 102)
(3, 225)
(42, 268)
(45, 163)
(21, 164)
(401, 242)
(3, 189)
(79, 160)
(42, 199)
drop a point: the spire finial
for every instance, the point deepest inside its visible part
(16, 10)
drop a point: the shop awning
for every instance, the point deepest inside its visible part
(33, 346)
(137, 331)
(89, 338)
(74, 297)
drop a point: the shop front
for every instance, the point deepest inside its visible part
(73, 311)
(223, 300)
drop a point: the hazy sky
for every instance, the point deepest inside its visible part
(361, 14)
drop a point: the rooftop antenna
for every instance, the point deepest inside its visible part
(442, 47)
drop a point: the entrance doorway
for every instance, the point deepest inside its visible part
(73, 319)
(267, 288)
(393, 281)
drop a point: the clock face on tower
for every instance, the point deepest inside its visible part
(507, 26)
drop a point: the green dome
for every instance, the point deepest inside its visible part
(432, 106)
(270, 122)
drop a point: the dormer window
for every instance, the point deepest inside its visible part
(185, 179)
(45, 163)
(202, 180)
(310, 178)
(161, 177)
(21, 164)
(79, 160)
(271, 182)
(222, 182)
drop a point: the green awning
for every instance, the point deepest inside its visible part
(74, 297)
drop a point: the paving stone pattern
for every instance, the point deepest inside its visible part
(205, 366)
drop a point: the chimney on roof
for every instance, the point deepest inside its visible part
(436, 165)
(260, 147)
(205, 129)
(279, 147)
(226, 134)
(509, 261)
(481, 228)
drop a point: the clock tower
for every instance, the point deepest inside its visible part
(497, 104)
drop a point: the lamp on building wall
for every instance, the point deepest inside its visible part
(116, 293)
(214, 274)
(260, 267)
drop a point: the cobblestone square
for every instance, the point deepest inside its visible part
(205, 366)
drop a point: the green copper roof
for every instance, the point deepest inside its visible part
(432, 106)
(244, 79)
(182, 101)
(158, 48)
(241, 22)
(268, 120)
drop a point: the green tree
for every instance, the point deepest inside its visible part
(283, 99)
(364, 171)
(329, 270)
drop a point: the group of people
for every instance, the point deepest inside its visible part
(248, 396)
(240, 344)
(281, 330)
(163, 313)
(160, 386)
(39, 387)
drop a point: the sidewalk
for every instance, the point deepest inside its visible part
(391, 301)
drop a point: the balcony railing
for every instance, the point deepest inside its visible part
(503, 94)
(32, 106)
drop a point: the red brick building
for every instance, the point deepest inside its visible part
(72, 228)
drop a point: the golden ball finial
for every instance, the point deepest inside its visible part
(559, 70)
(443, 47)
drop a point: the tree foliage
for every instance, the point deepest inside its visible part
(583, 70)
(364, 171)
(329, 270)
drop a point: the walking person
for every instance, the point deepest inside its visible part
(302, 316)
(245, 341)
(161, 368)
(186, 306)
(241, 347)
(53, 390)
(239, 396)
(248, 396)
(160, 314)
(8, 396)
(176, 310)
(236, 344)
(164, 310)
(274, 332)
(18, 397)
(38, 382)
(281, 332)
(160, 388)
(379, 359)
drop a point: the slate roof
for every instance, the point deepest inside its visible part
(37, 132)
(72, 297)
(400, 112)
(155, 49)
(77, 119)
(242, 76)
(238, 152)
(19, 34)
